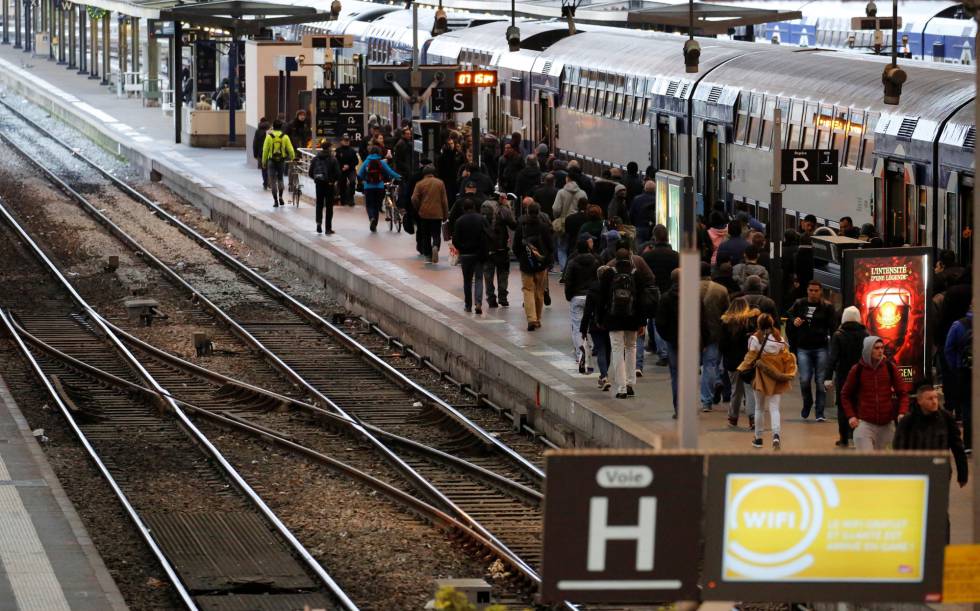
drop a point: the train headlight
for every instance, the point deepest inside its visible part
(893, 78)
(692, 55)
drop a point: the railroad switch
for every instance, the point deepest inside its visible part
(143, 311)
(476, 591)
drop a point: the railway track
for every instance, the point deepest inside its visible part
(216, 540)
(442, 456)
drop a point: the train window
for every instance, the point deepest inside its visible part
(741, 127)
(762, 213)
(823, 138)
(868, 157)
(600, 102)
(796, 113)
(610, 104)
(589, 101)
(752, 137)
(852, 151)
(789, 220)
(628, 108)
(618, 112)
(766, 134)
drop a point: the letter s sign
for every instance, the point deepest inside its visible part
(459, 101)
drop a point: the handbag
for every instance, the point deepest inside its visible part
(445, 231)
(748, 376)
(453, 255)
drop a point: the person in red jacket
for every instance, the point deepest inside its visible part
(874, 397)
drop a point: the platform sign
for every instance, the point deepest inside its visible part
(340, 111)
(891, 288)
(857, 528)
(810, 166)
(621, 527)
(452, 100)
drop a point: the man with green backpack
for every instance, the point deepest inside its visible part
(276, 153)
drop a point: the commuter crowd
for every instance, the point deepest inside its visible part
(598, 240)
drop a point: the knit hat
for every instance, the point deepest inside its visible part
(752, 283)
(851, 314)
(619, 187)
(612, 236)
(542, 150)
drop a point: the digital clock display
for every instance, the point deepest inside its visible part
(476, 78)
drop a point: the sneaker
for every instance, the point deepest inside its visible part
(435, 256)
(602, 381)
(478, 310)
(662, 363)
(629, 391)
(547, 298)
(841, 444)
(621, 395)
(804, 413)
(733, 423)
(329, 231)
(775, 442)
(757, 443)
(716, 399)
(491, 303)
(504, 303)
(319, 229)
(639, 373)
(705, 408)
(531, 326)
(581, 360)
(606, 384)
(821, 419)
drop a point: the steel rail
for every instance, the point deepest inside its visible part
(127, 506)
(302, 310)
(437, 517)
(196, 435)
(426, 487)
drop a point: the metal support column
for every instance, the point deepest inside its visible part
(106, 55)
(232, 86)
(776, 217)
(152, 58)
(82, 40)
(134, 44)
(122, 42)
(62, 16)
(5, 26)
(175, 81)
(28, 26)
(51, 29)
(17, 23)
(72, 48)
(93, 48)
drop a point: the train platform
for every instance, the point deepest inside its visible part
(47, 560)
(384, 280)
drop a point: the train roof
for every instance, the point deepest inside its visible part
(489, 38)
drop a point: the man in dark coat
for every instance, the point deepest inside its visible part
(528, 179)
(668, 320)
(470, 238)
(545, 195)
(622, 314)
(257, 142)
(508, 167)
(325, 173)
(845, 351)
(643, 212)
(299, 131)
(533, 248)
(812, 320)
(347, 158)
(633, 181)
(402, 156)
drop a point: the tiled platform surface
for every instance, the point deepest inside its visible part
(383, 279)
(47, 561)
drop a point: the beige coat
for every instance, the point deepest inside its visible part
(773, 372)
(429, 198)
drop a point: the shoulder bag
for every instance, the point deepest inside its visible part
(748, 376)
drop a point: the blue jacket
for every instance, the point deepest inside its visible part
(385, 169)
(955, 342)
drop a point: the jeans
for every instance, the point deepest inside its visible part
(472, 279)
(659, 341)
(265, 175)
(276, 172)
(710, 361)
(843, 428)
(869, 436)
(812, 363)
(560, 251)
(763, 402)
(600, 339)
(497, 266)
(672, 366)
(533, 286)
(431, 235)
(740, 391)
(347, 183)
(373, 200)
(641, 345)
(576, 308)
(623, 344)
(958, 389)
(324, 205)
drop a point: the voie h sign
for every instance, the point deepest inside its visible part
(621, 527)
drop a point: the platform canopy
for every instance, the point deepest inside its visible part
(709, 19)
(242, 16)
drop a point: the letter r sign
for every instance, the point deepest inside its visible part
(621, 527)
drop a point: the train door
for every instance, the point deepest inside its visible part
(959, 216)
(663, 143)
(544, 126)
(900, 205)
(711, 164)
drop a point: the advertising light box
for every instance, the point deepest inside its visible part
(864, 527)
(670, 190)
(890, 287)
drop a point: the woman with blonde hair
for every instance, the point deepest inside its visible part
(771, 367)
(739, 323)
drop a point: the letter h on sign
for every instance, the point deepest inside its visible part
(600, 532)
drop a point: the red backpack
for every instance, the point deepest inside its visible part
(375, 171)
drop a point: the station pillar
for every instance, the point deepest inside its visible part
(152, 61)
(106, 55)
(93, 51)
(134, 44)
(72, 49)
(82, 40)
(62, 16)
(17, 23)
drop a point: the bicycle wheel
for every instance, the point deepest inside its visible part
(389, 212)
(398, 219)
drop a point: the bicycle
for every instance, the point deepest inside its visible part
(295, 185)
(393, 213)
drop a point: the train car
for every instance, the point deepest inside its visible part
(957, 169)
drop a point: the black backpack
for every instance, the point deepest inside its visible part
(622, 294)
(966, 345)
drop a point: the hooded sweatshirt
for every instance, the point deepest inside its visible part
(566, 202)
(867, 393)
(846, 345)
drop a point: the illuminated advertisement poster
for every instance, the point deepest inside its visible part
(891, 289)
(852, 529)
(669, 193)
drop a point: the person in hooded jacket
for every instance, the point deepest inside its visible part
(846, 345)
(501, 222)
(347, 158)
(276, 152)
(717, 233)
(578, 275)
(373, 173)
(528, 179)
(623, 319)
(618, 208)
(867, 397)
(566, 202)
(325, 172)
(257, 141)
(593, 328)
(775, 367)
(508, 167)
(739, 320)
(299, 131)
(584, 182)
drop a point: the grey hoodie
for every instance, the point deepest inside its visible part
(869, 343)
(566, 202)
